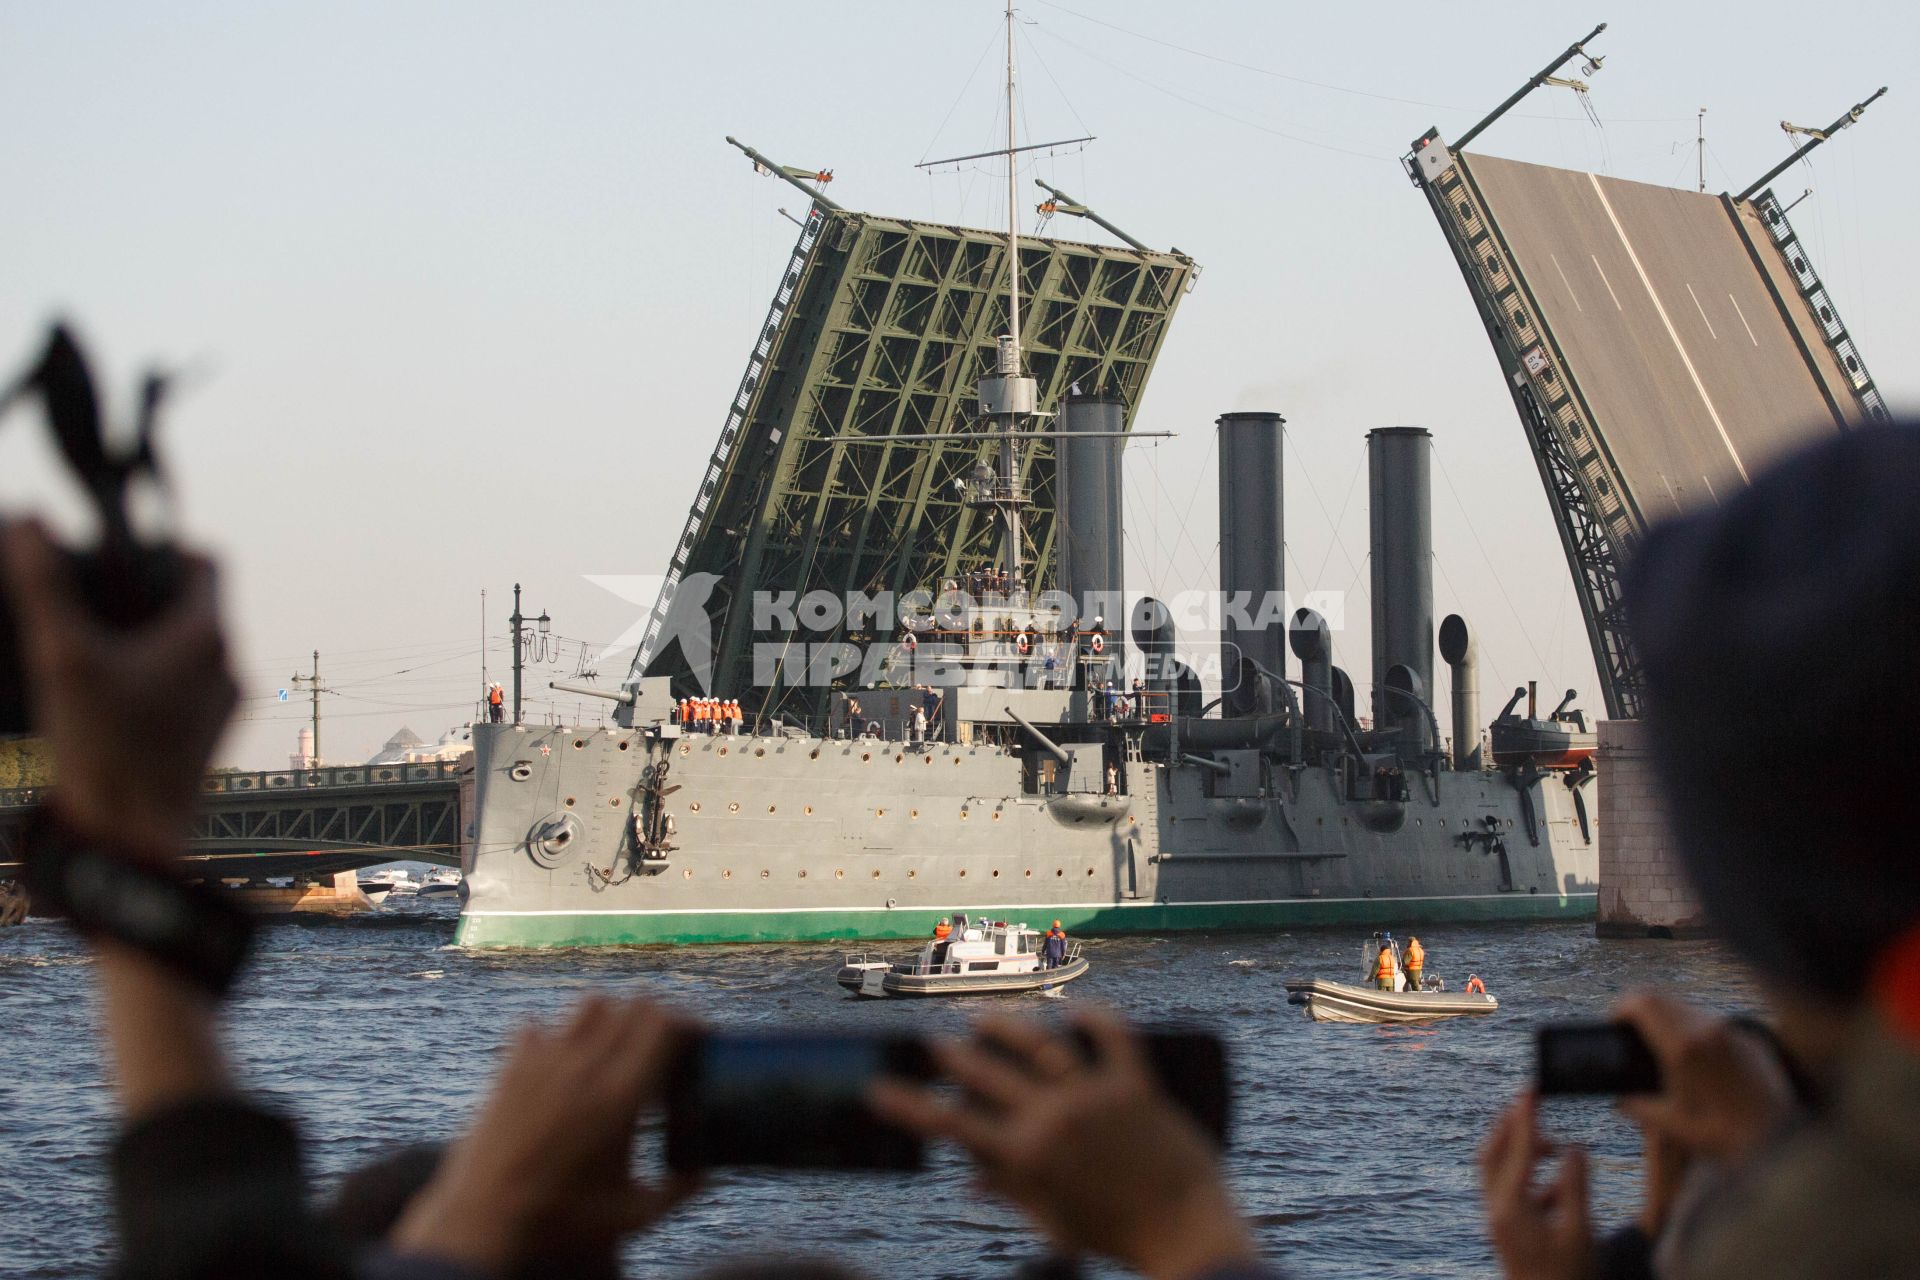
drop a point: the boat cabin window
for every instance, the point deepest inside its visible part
(983, 964)
(1000, 944)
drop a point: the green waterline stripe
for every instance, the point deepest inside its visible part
(1032, 906)
(615, 928)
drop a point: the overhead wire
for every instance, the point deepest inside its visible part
(1175, 94)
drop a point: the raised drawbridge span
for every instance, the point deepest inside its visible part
(1660, 345)
(830, 473)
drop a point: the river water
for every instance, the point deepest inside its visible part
(1352, 1149)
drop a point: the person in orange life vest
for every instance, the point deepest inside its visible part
(942, 930)
(1416, 960)
(1054, 950)
(496, 703)
(1383, 968)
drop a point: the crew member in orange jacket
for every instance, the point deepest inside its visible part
(1383, 969)
(1416, 959)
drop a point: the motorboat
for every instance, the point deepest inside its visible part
(391, 882)
(439, 883)
(1328, 1001)
(980, 957)
(1561, 741)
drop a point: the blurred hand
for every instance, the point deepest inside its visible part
(1722, 1089)
(132, 716)
(547, 1166)
(1093, 1152)
(1537, 1233)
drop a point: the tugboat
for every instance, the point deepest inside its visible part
(981, 957)
(1326, 1001)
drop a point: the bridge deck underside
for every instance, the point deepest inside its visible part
(1696, 376)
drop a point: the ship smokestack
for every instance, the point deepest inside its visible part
(1400, 513)
(1313, 645)
(1092, 563)
(1151, 627)
(1253, 576)
(1457, 647)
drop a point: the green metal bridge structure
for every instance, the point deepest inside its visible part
(842, 460)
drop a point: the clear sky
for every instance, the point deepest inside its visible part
(466, 287)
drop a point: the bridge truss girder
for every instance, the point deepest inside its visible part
(880, 329)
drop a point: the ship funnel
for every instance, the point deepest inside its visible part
(1092, 563)
(1400, 468)
(1253, 579)
(1313, 644)
(1343, 693)
(1151, 627)
(1457, 647)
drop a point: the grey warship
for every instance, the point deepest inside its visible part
(908, 590)
(904, 556)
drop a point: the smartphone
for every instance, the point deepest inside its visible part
(1595, 1058)
(789, 1100)
(797, 1100)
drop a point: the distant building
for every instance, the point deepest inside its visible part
(406, 747)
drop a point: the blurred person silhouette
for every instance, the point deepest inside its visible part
(1778, 634)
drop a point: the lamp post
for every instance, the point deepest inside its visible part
(519, 623)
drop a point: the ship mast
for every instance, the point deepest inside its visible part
(1007, 395)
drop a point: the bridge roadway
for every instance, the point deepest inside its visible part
(1686, 334)
(306, 824)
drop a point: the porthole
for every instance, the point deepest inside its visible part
(803, 873)
(770, 808)
(623, 746)
(726, 875)
(1059, 873)
(613, 802)
(996, 815)
(686, 749)
(963, 815)
(569, 802)
(929, 759)
(766, 875)
(996, 873)
(578, 743)
(898, 759)
(695, 806)
(879, 813)
(1089, 870)
(723, 751)
(866, 755)
(808, 810)
(1029, 873)
(687, 874)
(733, 806)
(839, 874)
(956, 762)
(913, 813)
(963, 873)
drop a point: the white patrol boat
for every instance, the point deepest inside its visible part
(1347, 1002)
(981, 957)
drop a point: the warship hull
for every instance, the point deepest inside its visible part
(809, 838)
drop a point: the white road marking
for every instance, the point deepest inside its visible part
(1743, 320)
(1685, 359)
(1606, 282)
(1703, 312)
(1671, 495)
(1709, 484)
(1568, 283)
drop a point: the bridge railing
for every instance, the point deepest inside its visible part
(270, 781)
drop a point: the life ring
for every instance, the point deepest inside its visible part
(1024, 644)
(909, 642)
(1475, 986)
(1098, 644)
(873, 729)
